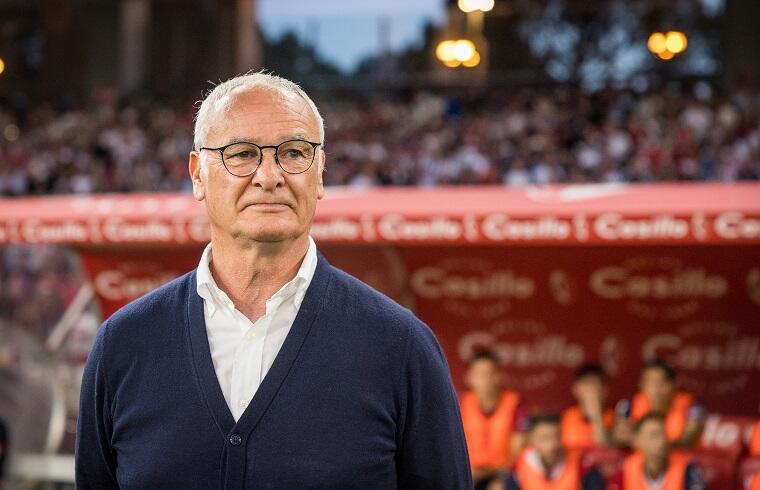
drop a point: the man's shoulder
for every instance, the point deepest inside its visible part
(160, 306)
(375, 308)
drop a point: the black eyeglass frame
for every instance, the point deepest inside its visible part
(261, 155)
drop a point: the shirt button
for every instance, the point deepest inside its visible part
(250, 335)
(235, 439)
(243, 403)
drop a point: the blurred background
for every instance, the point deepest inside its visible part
(533, 101)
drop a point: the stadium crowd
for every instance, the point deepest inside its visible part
(426, 139)
(36, 284)
(420, 138)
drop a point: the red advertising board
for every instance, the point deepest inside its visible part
(559, 215)
(544, 311)
(546, 278)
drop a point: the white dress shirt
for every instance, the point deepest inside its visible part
(243, 351)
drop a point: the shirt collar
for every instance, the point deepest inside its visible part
(294, 289)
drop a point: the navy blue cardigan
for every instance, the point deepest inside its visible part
(359, 396)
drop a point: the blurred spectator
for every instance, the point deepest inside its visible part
(546, 465)
(517, 138)
(36, 283)
(754, 442)
(653, 466)
(493, 420)
(684, 416)
(589, 422)
(3, 450)
(753, 483)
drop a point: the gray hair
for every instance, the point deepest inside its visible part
(247, 82)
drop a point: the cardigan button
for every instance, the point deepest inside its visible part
(235, 439)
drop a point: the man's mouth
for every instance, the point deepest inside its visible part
(269, 205)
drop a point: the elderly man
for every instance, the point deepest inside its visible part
(266, 367)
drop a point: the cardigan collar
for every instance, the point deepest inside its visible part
(208, 383)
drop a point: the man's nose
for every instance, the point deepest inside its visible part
(269, 174)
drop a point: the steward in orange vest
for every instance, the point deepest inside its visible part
(684, 416)
(588, 423)
(754, 482)
(492, 418)
(546, 465)
(652, 466)
(754, 442)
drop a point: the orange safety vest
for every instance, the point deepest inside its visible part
(675, 419)
(531, 478)
(488, 436)
(577, 431)
(755, 483)
(633, 473)
(754, 442)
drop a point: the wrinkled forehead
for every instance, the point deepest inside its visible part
(243, 107)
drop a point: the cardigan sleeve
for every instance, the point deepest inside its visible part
(95, 459)
(432, 450)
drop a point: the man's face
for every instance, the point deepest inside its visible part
(270, 205)
(545, 439)
(590, 389)
(651, 439)
(657, 387)
(483, 377)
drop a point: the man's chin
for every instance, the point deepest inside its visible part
(270, 234)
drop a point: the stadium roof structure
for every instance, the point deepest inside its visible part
(626, 214)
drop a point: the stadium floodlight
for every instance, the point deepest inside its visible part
(445, 50)
(676, 42)
(473, 61)
(2, 66)
(459, 52)
(656, 43)
(464, 50)
(667, 45)
(468, 6)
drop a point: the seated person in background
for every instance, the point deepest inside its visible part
(684, 416)
(3, 450)
(588, 423)
(653, 466)
(753, 483)
(754, 441)
(493, 420)
(546, 465)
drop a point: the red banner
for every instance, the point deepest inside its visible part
(561, 215)
(546, 310)
(119, 276)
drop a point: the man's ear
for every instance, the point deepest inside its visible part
(194, 166)
(320, 171)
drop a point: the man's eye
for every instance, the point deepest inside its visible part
(244, 155)
(293, 154)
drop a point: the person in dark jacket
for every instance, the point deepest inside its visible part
(266, 367)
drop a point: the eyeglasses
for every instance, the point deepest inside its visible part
(242, 159)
